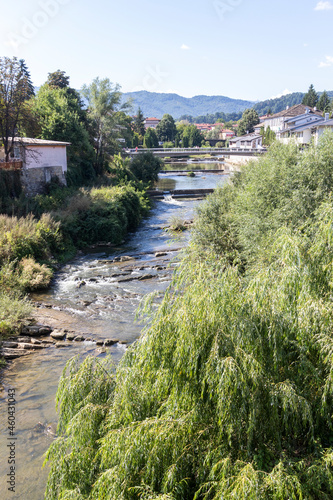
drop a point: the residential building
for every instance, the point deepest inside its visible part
(279, 121)
(151, 122)
(249, 141)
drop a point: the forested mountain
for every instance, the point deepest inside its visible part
(156, 104)
(206, 109)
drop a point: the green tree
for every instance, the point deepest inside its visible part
(324, 102)
(146, 167)
(249, 119)
(135, 140)
(58, 79)
(150, 139)
(166, 130)
(104, 102)
(311, 97)
(124, 122)
(139, 123)
(189, 135)
(268, 136)
(61, 117)
(15, 91)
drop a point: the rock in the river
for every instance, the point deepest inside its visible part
(81, 284)
(70, 336)
(36, 331)
(109, 342)
(14, 353)
(79, 338)
(45, 330)
(146, 277)
(160, 254)
(99, 342)
(13, 345)
(59, 345)
(57, 335)
(123, 258)
(32, 347)
(35, 341)
(123, 342)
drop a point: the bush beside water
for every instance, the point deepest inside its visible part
(228, 394)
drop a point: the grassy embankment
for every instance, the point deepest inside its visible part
(229, 393)
(50, 228)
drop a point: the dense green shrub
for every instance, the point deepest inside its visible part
(102, 214)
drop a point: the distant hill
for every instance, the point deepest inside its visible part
(156, 104)
(207, 109)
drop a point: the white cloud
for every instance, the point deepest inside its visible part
(328, 62)
(185, 47)
(285, 92)
(324, 6)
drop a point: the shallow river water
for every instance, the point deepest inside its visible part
(97, 297)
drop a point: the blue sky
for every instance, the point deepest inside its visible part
(247, 49)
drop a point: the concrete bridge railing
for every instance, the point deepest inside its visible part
(195, 151)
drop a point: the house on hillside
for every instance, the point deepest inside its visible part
(249, 141)
(38, 161)
(279, 121)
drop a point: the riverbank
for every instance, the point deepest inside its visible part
(60, 223)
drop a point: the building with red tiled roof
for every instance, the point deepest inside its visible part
(151, 122)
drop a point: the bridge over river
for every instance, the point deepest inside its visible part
(185, 152)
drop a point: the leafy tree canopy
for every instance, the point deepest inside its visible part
(58, 79)
(166, 129)
(146, 167)
(104, 103)
(150, 139)
(249, 119)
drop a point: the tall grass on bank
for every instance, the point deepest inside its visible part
(228, 394)
(14, 309)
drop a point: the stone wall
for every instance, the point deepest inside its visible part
(34, 179)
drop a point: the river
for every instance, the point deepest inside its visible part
(96, 297)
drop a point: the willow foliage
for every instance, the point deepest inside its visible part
(228, 394)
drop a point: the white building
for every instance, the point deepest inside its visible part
(280, 121)
(300, 127)
(38, 153)
(249, 141)
(39, 161)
